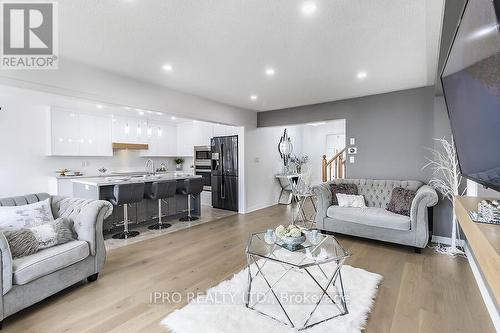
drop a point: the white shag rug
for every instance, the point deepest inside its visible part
(222, 308)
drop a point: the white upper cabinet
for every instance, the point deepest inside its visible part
(203, 132)
(95, 135)
(185, 139)
(64, 133)
(161, 139)
(129, 130)
(78, 134)
(224, 130)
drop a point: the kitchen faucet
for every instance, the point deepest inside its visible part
(150, 166)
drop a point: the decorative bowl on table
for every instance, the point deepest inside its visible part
(291, 236)
(293, 241)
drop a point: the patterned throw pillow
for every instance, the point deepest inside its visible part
(27, 241)
(25, 216)
(351, 189)
(401, 200)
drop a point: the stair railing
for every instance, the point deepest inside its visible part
(335, 167)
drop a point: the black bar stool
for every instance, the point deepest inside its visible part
(191, 187)
(124, 194)
(161, 190)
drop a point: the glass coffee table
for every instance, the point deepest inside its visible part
(312, 269)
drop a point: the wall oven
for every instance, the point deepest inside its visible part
(206, 173)
(203, 166)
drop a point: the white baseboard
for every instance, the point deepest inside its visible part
(259, 206)
(485, 293)
(446, 240)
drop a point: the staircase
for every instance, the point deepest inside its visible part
(335, 167)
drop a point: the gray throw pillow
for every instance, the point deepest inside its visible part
(22, 242)
(26, 241)
(53, 233)
(401, 200)
(351, 189)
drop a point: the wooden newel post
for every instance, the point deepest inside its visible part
(323, 168)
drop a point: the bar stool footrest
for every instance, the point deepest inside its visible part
(188, 218)
(159, 226)
(125, 235)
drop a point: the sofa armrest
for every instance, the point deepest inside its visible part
(324, 200)
(88, 217)
(6, 265)
(426, 197)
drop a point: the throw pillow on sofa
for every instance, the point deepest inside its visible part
(351, 189)
(27, 241)
(25, 216)
(401, 200)
(348, 200)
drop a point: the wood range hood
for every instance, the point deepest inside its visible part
(132, 146)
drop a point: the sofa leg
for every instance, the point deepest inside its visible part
(93, 277)
(418, 250)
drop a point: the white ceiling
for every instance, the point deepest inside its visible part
(219, 49)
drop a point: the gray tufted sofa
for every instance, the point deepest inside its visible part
(375, 221)
(28, 280)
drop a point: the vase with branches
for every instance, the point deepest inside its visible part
(446, 179)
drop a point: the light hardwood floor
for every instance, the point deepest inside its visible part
(419, 293)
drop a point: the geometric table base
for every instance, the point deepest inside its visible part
(256, 271)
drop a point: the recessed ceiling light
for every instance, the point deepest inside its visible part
(168, 67)
(253, 97)
(140, 113)
(159, 113)
(99, 106)
(308, 8)
(126, 107)
(361, 75)
(173, 118)
(270, 71)
(149, 112)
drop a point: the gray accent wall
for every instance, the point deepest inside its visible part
(392, 132)
(452, 14)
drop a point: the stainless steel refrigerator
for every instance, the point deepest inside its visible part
(224, 151)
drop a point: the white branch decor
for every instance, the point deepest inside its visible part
(446, 180)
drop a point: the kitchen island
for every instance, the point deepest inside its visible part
(143, 212)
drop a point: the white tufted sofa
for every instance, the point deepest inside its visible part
(375, 221)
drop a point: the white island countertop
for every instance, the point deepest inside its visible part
(113, 180)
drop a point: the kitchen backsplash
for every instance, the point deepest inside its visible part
(122, 160)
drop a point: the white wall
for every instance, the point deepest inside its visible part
(263, 161)
(81, 81)
(477, 190)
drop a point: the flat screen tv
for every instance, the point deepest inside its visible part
(471, 86)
